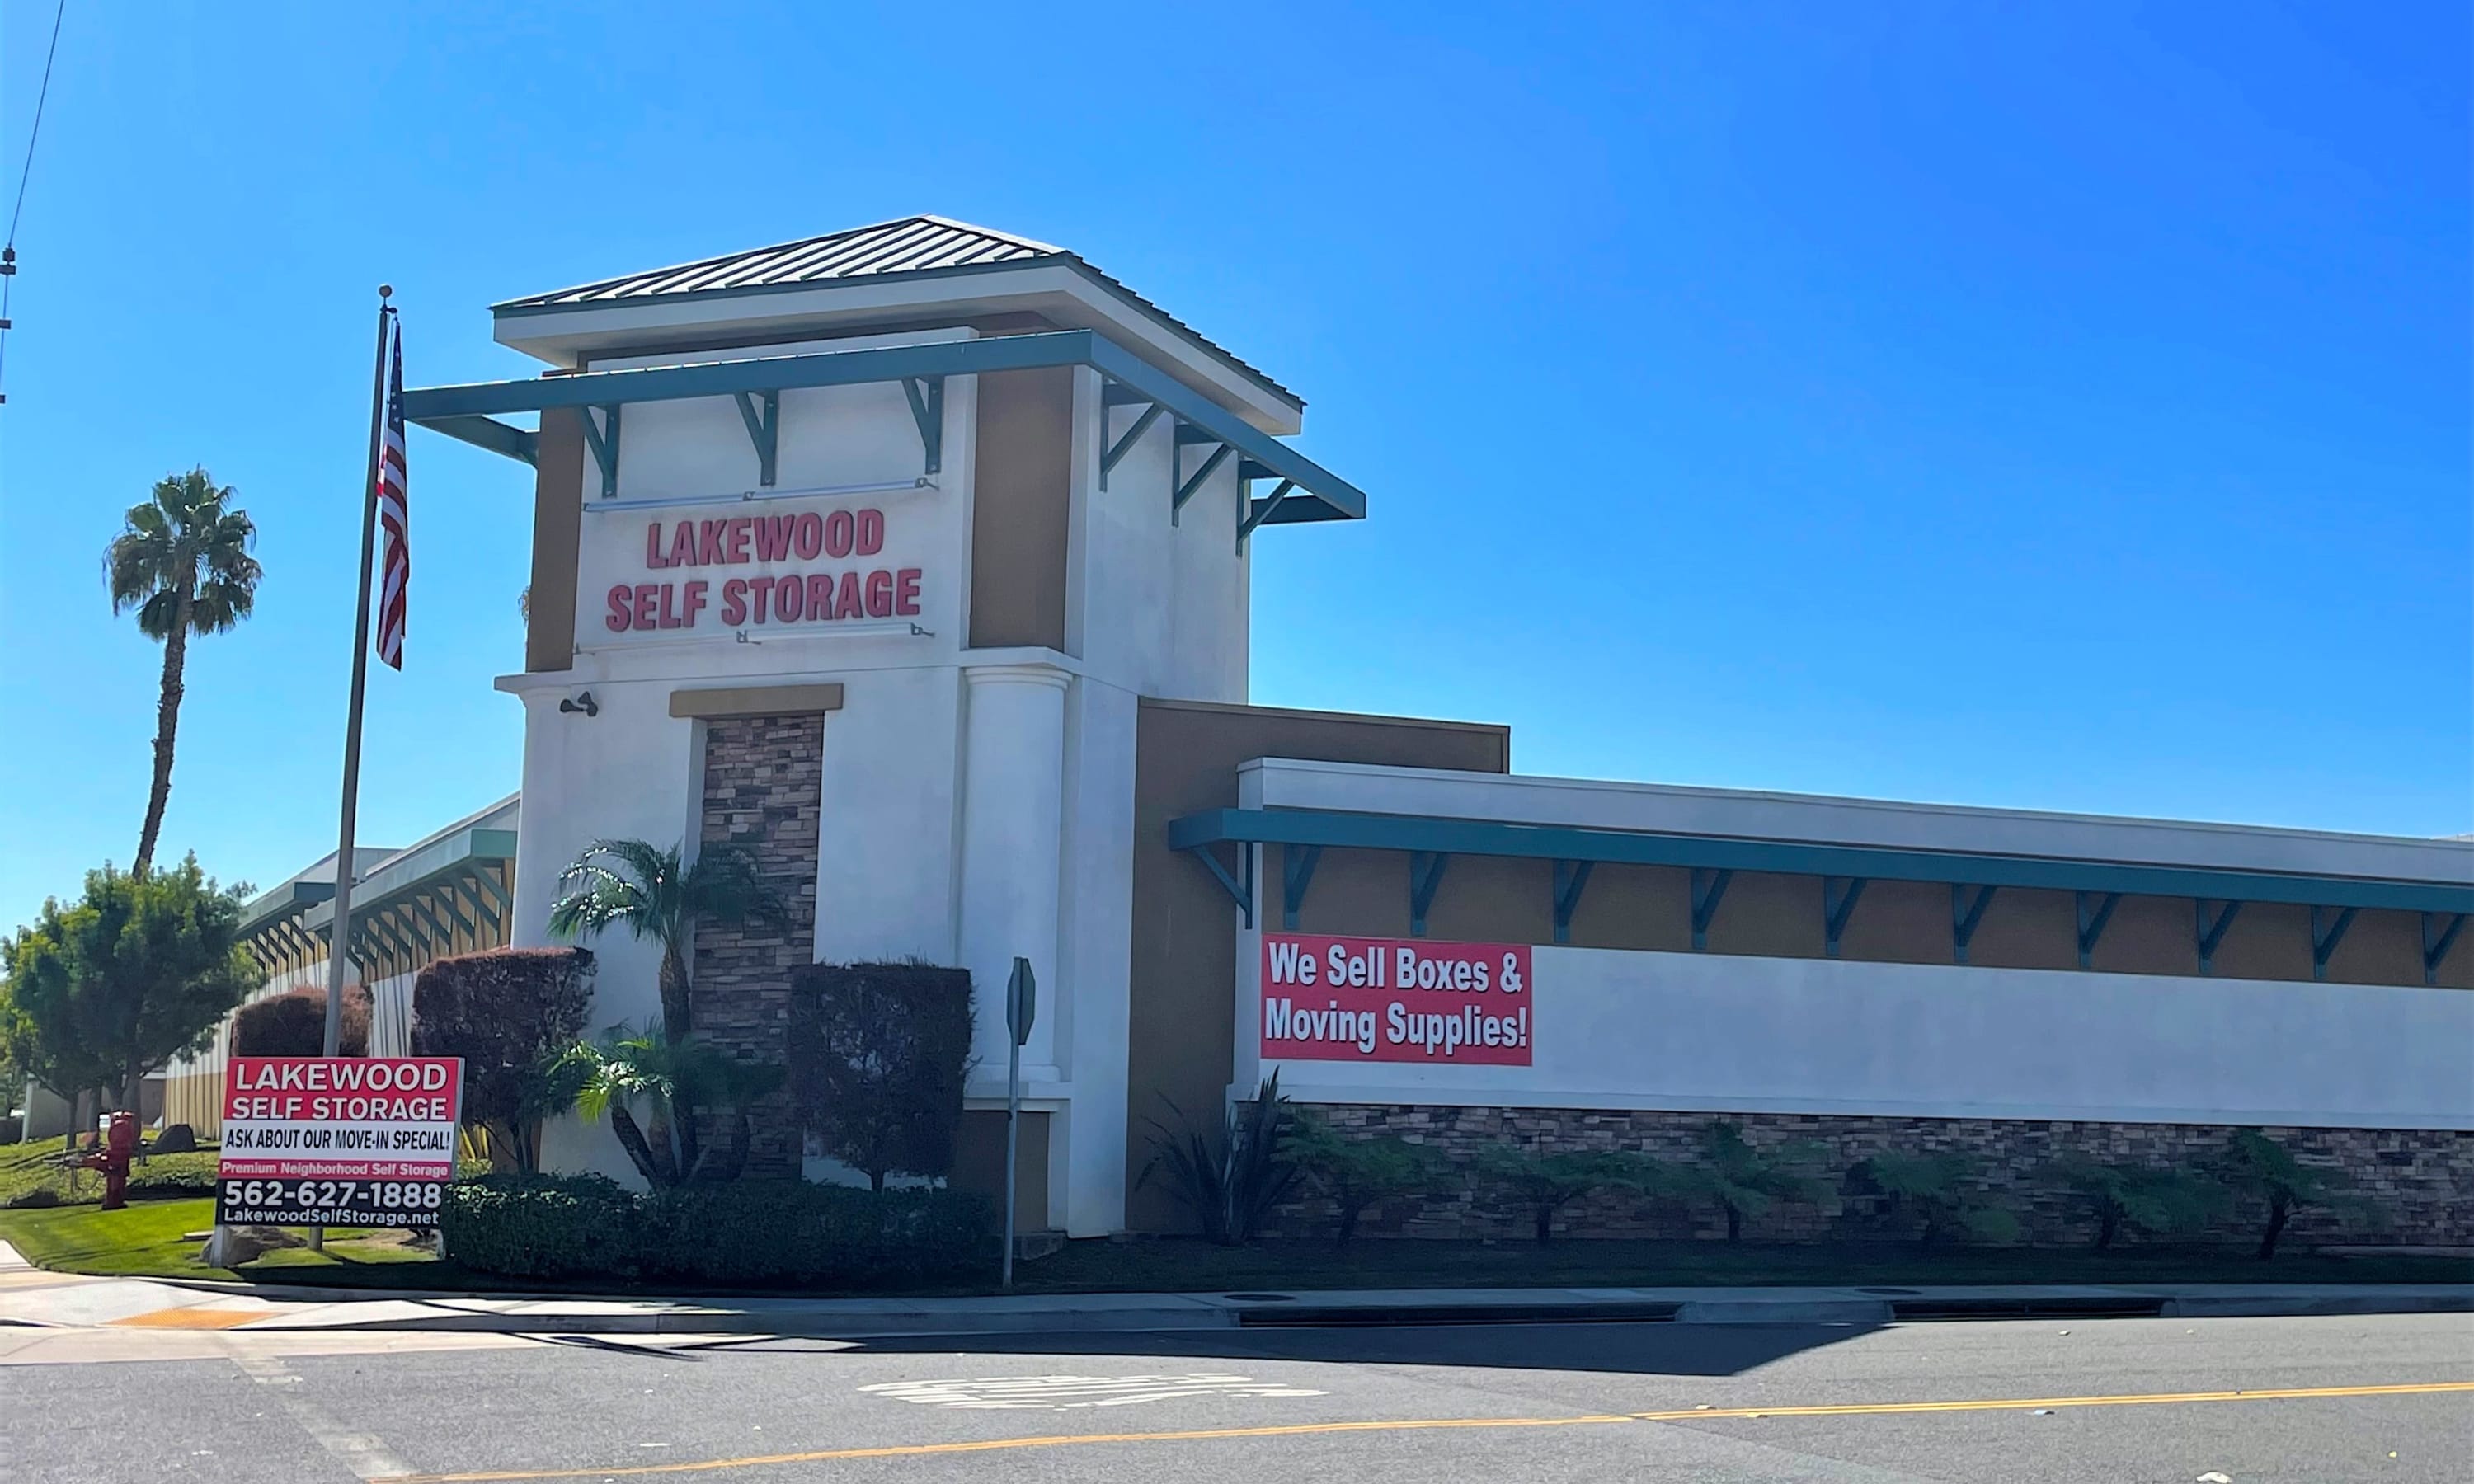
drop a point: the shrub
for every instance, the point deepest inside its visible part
(2136, 1196)
(1941, 1189)
(790, 1232)
(1229, 1186)
(1356, 1173)
(295, 1024)
(2259, 1166)
(508, 1013)
(1546, 1182)
(747, 1234)
(1737, 1177)
(877, 1056)
(543, 1226)
(36, 1199)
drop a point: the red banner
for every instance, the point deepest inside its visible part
(1394, 1000)
(354, 1117)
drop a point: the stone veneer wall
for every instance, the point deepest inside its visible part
(763, 781)
(2420, 1181)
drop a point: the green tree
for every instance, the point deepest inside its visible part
(138, 970)
(181, 561)
(2137, 1197)
(2254, 1164)
(654, 894)
(1547, 1183)
(1942, 1190)
(48, 1055)
(1356, 1173)
(669, 1079)
(1739, 1178)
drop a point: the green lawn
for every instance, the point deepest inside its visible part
(149, 1239)
(27, 1167)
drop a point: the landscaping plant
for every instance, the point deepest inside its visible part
(295, 1024)
(668, 1080)
(878, 1054)
(510, 1013)
(138, 970)
(2256, 1164)
(1739, 1178)
(2137, 1197)
(1357, 1173)
(181, 561)
(1546, 1182)
(1229, 1186)
(1940, 1188)
(654, 894)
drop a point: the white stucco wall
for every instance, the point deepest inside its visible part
(1694, 1032)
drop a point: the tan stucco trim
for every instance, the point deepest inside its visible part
(756, 701)
(558, 513)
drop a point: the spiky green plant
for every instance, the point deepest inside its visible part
(1230, 1185)
(669, 1079)
(654, 894)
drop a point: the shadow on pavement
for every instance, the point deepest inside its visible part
(1635, 1348)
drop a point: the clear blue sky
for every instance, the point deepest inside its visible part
(2057, 405)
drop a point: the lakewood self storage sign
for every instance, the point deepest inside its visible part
(1394, 1000)
(347, 1117)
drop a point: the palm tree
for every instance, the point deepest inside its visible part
(669, 1078)
(182, 562)
(631, 884)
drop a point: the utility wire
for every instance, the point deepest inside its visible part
(26, 173)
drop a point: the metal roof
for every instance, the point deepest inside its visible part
(911, 245)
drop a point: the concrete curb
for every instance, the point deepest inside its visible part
(1136, 1313)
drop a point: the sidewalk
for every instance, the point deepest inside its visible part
(33, 1296)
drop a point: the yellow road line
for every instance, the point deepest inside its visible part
(1415, 1424)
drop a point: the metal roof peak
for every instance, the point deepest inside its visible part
(916, 246)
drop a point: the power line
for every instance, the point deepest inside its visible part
(25, 174)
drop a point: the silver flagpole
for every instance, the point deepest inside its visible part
(338, 954)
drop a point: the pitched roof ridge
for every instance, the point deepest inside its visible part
(794, 245)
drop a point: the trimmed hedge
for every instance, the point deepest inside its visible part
(744, 1233)
(542, 1226)
(295, 1024)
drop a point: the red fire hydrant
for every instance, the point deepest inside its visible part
(119, 1146)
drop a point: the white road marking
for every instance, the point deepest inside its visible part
(359, 1451)
(1066, 1393)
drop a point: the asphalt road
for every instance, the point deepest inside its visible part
(1355, 1406)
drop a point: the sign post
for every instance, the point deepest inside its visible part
(1022, 1003)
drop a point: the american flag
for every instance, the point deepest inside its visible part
(395, 560)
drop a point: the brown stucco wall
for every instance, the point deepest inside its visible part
(1185, 970)
(558, 509)
(1022, 508)
(1649, 909)
(979, 1164)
